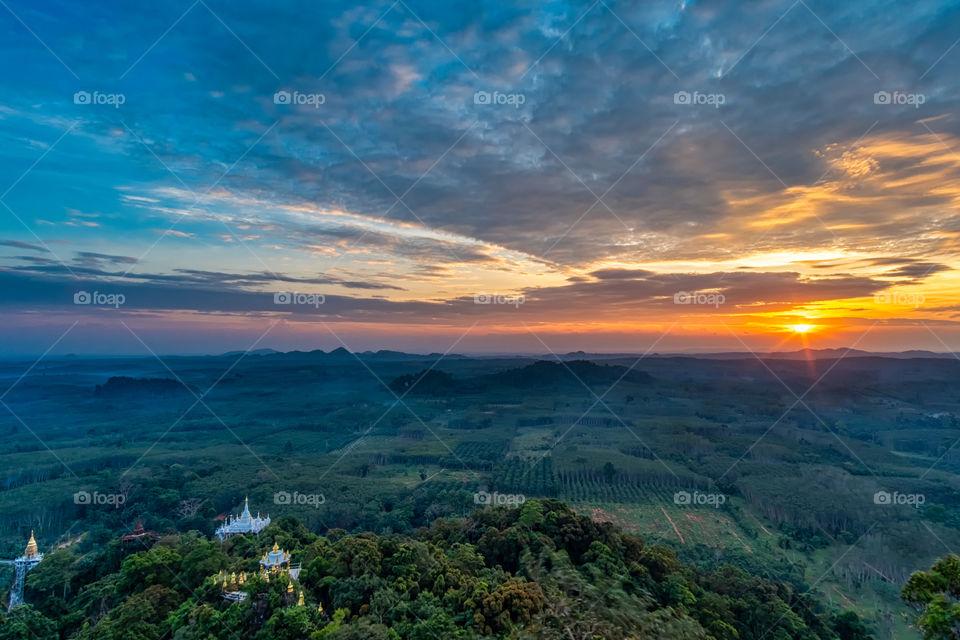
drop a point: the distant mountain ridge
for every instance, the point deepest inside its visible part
(816, 354)
(540, 374)
(341, 353)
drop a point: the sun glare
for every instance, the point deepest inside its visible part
(801, 328)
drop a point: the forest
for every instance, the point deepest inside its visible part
(535, 571)
(841, 498)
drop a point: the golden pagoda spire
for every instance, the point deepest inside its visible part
(289, 587)
(31, 551)
(300, 600)
(276, 547)
(266, 577)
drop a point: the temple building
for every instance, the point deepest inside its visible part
(278, 561)
(232, 586)
(31, 557)
(243, 523)
(273, 563)
(139, 535)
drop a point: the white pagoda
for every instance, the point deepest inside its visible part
(243, 523)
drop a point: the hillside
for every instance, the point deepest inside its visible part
(535, 571)
(713, 458)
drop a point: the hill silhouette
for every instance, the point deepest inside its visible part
(540, 374)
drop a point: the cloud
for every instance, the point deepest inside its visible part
(597, 195)
(917, 271)
(192, 292)
(644, 293)
(24, 245)
(399, 107)
(91, 258)
(606, 294)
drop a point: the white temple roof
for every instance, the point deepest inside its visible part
(243, 523)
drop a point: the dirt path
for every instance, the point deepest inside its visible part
(672, 524)
(849, 602)
(746, 547)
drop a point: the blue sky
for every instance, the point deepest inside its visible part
(590, 158)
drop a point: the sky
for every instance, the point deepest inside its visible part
(205, 176)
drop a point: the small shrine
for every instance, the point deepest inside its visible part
(139, 535)
(274, 563)
(232, 586)
(278, 561)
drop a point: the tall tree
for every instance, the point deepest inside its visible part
(935, 594)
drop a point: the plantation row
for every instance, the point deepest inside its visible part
(593, 491)
(584, 421)
(529, 476)
(476, 455)
(481, 449)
